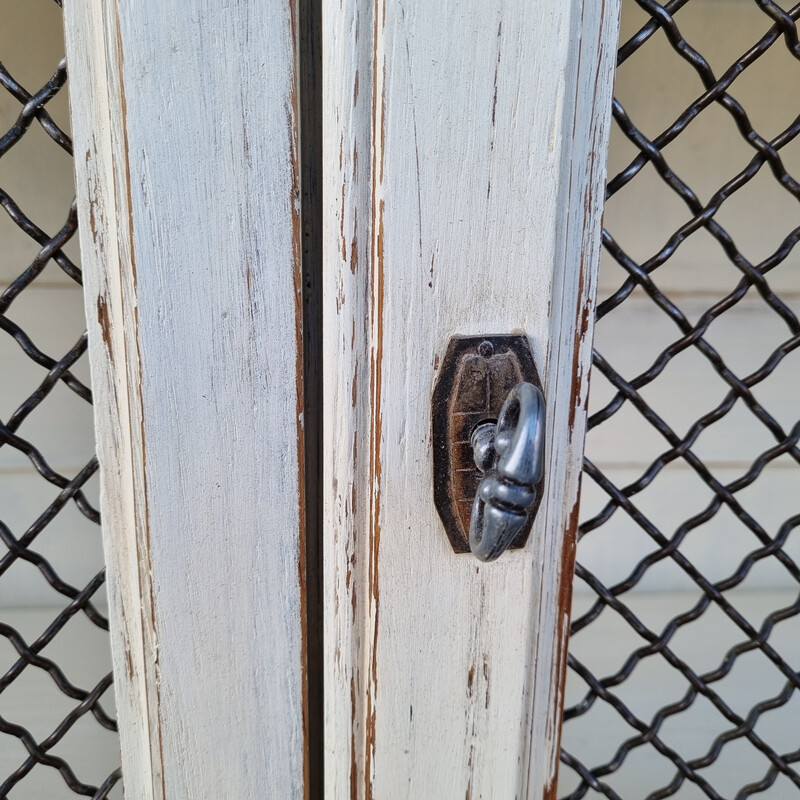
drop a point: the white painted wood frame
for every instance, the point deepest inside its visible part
(464, 155)
(186, 151)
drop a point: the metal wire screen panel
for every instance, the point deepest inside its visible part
(683, 668)
(55, 710)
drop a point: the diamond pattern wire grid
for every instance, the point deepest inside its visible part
(21, 546)
(689, 770)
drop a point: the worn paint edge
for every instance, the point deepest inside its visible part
(297, 282)
(94, 49)
(587, 122)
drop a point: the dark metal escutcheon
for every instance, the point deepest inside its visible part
(475, 377)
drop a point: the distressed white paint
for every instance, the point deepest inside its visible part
(464, 149)
(186, 155)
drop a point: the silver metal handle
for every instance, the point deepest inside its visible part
(511, 456)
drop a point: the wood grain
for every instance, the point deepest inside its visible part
(185, 123)
(465, 153)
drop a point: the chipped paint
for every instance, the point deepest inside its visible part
(417, 272)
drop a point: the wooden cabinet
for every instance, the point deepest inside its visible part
(463, 161)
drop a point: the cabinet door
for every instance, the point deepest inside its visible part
(464, 158)
(186, 125)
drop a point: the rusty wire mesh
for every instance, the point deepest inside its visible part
(46, 721)
(683, 669)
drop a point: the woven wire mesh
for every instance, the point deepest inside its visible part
(692, 451)
(40, 763)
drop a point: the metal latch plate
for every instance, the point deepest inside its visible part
(475, 377)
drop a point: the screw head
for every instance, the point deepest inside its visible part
(486, 349)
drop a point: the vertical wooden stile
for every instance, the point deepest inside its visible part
(464, 162)
(185, 121)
